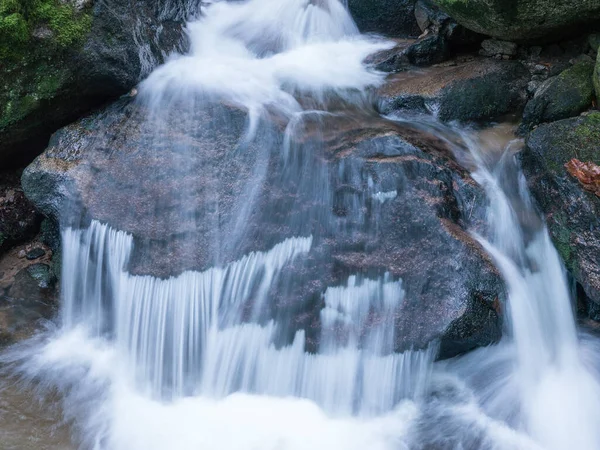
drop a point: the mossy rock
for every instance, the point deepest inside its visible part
(523, 20)
(572, 213)
(565, 95)
(60, 59)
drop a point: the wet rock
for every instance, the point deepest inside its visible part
(19, 220)
(27, 296)
(572, 213)
(56, 69)
(497, 48)
(441, 37)
(523, 20)
(36, 253)
(257, 199)
(394, 18)
(425, 51)
(565, 95)
(428, 50)
(472, 90)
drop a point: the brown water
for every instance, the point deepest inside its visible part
(27, 423)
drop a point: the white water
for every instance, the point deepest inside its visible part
(559, 395)
(198, 362)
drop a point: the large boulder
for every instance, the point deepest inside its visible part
(572, 212)
(523, 20)
(59, 59)
(480, 89)
(565, 95)
(377, 196)
(388, 17)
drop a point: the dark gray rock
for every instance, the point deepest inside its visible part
(19, 220)
(35, 253)
(117, 168)
(565, 95)
(394, 18)
(524, 20)
(441, 38)
(572, 213)
(480, 89)
(494, 47)
(52, 82)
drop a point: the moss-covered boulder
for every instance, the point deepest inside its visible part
(572, 212)
(565, 95)
(60, 58)
(523, 20)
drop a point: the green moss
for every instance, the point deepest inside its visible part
(69, 27)
(588, 134)
(26, 84)
(14, 33)
(562, 240)
(19, 19)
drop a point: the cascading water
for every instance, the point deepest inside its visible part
(205, 360)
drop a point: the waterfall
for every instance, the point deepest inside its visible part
(213, 359)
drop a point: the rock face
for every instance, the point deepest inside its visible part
(565, 95)
(475, 90)
(381, 197)
(393, 18)
(59, 59)
(523, 20)
(572, 213)
(19, 221)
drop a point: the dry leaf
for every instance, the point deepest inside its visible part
(587, 173)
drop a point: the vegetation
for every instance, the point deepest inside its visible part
(19, 19)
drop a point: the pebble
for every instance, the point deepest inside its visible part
(36, 253)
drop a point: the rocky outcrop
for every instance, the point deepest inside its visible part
(479, 89)
(381, 197)
(565, 95)
(523, 20)
(59, 59)
(572, 212)
(393, 18)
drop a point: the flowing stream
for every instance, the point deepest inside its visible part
(201, 361)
